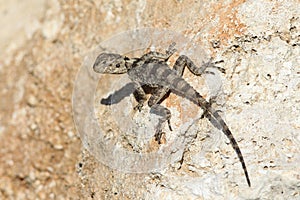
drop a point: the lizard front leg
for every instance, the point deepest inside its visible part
(153, 54)
(140, 97)
(184, 61)
(156, 108)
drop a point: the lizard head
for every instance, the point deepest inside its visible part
(109, 63)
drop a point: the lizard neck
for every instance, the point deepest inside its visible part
(129, 63)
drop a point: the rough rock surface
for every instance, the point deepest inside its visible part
(41, 155)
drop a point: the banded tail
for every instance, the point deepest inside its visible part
(204, 104)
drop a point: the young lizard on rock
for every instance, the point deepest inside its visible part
(153, 71)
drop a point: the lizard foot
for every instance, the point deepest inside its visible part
(158, 136)
(171, 49)
(204, 114)
(211, 64)
(138, 107)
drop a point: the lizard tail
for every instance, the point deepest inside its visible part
(204, 104)
(234, 144)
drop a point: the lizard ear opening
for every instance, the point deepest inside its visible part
(126, 58)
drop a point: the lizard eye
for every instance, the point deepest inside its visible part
(117, 65)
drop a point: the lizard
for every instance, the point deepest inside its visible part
(152, 70)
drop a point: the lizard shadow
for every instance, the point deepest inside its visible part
(120, 94)
(130, 88)
(126, 91)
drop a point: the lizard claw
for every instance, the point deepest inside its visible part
(218, 111)
(211, 64)
(209, 72)
(138, 107)
(158, 135)
(204, 114)
(170, 127)
(171, 49)
(221, 69)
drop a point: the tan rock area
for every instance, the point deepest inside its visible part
(45, 43)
